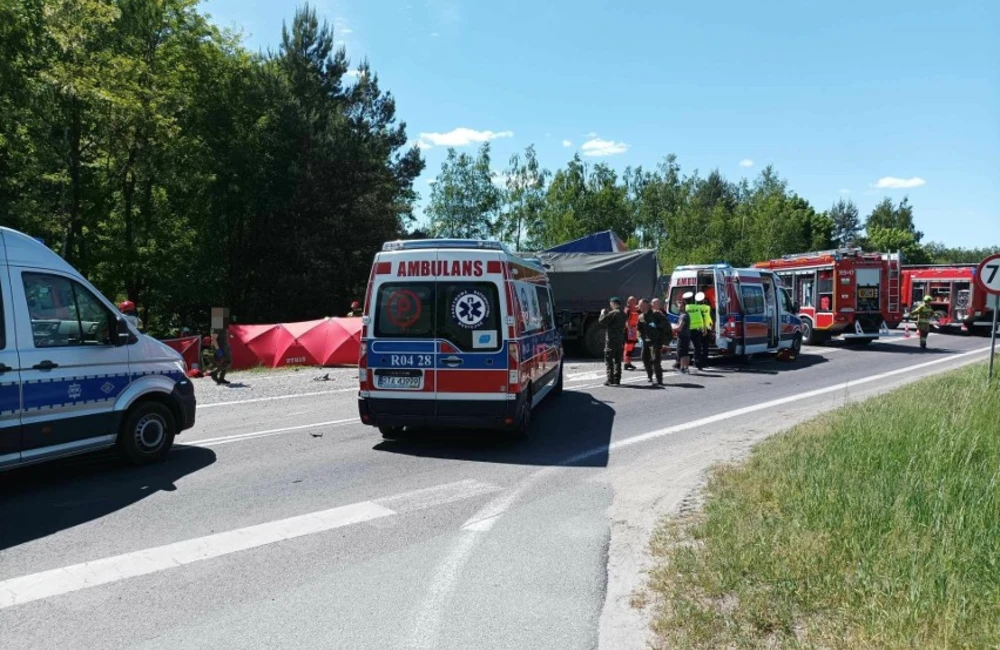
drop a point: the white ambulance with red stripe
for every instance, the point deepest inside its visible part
(456, 333)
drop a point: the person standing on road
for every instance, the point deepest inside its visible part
(632, 336)
(654, 328)
(613, 321)
(356, 311)
(683, 333)
(701, 356)
(924, 312)
(223, 356)
(697, 324)
(131, 314)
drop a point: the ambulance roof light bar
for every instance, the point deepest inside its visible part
(424, 244)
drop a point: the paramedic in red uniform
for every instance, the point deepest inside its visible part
(632, 331)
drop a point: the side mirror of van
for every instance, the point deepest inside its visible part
(122, 332)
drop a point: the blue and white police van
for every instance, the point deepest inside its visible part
(75, 376)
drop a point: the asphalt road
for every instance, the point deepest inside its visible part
(281, 522)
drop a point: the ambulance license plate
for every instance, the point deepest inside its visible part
(399, 379)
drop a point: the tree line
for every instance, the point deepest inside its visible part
(688, 218)
(177, 169)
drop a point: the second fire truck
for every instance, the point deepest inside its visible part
(959, 305)
(844, 293)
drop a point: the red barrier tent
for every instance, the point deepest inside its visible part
(326, 342)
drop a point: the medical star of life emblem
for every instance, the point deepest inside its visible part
(75, 390)
(107, 387)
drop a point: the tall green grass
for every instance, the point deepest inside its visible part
(877, 526)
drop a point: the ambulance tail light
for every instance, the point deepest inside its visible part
(733, 328)
(513, 368)
(363, 366)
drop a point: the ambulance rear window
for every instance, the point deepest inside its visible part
(469, 315)
(405, 310)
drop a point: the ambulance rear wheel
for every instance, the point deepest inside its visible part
(557, 388)
(390, 433)
(524, 418)
(147, 433)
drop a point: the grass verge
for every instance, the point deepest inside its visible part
(877, 525)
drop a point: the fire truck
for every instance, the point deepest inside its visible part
(959, 305)
(843, 293)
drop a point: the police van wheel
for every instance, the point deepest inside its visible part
(797, 344)
(808, 334)
(390, 433)
(147, 433)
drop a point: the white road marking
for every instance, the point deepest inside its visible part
(240, 437)
(256, 400)
(55, 582)
(428, 620)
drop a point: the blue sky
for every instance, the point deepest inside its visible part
(846, 98)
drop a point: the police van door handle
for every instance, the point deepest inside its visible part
(4, 368)
(45, 365)
(452, 361)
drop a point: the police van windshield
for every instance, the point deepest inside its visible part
(467, 314)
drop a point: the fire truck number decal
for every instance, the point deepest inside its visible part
(470, 308)
(411, 360)
(403, 308)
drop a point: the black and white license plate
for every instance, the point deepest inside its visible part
(399, 379)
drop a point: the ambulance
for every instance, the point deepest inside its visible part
(75, 376)
(456, 333)
(752, 312)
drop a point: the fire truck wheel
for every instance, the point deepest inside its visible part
(808, 335)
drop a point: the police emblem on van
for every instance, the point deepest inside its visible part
(470, 308)
(74, 392)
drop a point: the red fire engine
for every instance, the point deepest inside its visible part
(959, 305)
(844, 292)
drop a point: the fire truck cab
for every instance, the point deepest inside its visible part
(844, 293)
(752, 313)
(959, 305)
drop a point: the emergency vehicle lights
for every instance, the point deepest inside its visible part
(424, 244)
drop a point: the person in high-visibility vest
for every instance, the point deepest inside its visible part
(631, 331)
(923, 312)
(700, 322)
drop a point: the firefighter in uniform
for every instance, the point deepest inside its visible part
(654, 328)
(924, 312)
(613, 321)
(631, 331)
(356, 311)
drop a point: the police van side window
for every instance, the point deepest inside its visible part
(64, 313)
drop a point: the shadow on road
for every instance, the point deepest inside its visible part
(571, 426)
(45, 499)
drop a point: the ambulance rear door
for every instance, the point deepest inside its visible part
(472, 322)
(402, 344)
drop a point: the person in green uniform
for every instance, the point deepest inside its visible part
(655, 332)
(356, 311)
(924, 312)
(613, 321)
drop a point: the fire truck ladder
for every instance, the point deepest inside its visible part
(895, 264)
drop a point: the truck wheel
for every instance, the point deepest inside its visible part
(808, 334)
(593, 340)
(147, 433)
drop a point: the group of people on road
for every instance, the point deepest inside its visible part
(647, 321)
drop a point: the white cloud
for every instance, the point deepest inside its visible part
(354, 74)
(431, 181)
(598, 147)
(746, 162)
(346, 31)
(592, 134)
(459, 137)
(567, 143)
(893, 183)
(434, 34)
(845, 191)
